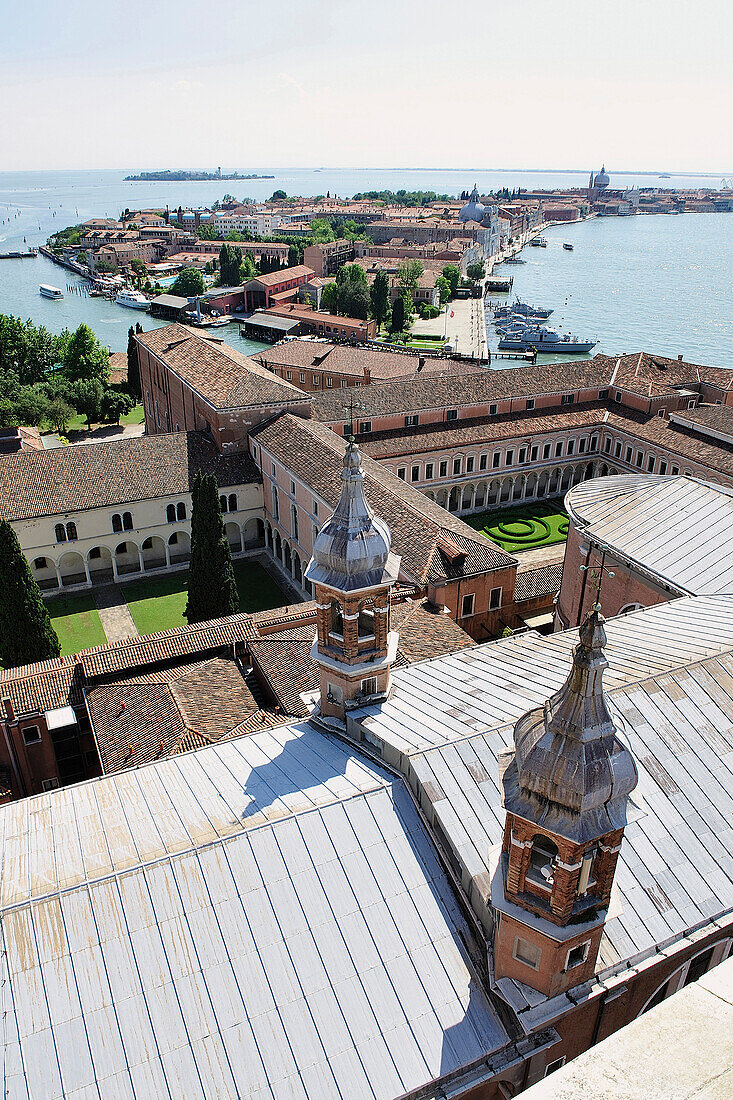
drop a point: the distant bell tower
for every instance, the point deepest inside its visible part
(352, 571)
(566, 786)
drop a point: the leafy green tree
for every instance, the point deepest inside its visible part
(87, 397)
(133, 364)
(31, 406)
(114, 405)
(329, 297)
(85, 357)
(230, 262)
(475, 272)
(379, 296)
(212, 589)
(189, 283)
(26, 634)
(322, 231)
(58, 414)
(352, 291)
(398, 314)
(248, 270)
(443, 289)
(278, 196)
(453, 275)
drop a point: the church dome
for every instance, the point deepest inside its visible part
(602, 179)
(352, 549)
(474, 210)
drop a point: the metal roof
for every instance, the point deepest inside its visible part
(678, 528)
(265, 918)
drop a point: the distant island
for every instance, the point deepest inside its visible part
(176, 177)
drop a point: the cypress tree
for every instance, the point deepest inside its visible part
(133, 364)
(212, 589)
(398, 314)
(26, 634)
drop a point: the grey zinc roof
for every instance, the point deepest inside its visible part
(265, 918)
(677, 528)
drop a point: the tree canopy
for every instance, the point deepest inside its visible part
(26, 633)
(352, 297)
(212, 589)
(379, 296)
(189, 283)
(453, 275)
(230, 265)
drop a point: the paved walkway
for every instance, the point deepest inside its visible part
(465, 330)
(542, 555)
(117, 621)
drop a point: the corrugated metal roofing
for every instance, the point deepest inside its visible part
(264, 918)
(679, 528)
(448, 698)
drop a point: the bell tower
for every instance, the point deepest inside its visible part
(352, 571)
(566, 786)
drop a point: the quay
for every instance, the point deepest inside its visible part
(30, 253)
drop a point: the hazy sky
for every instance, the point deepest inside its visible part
(639, 84)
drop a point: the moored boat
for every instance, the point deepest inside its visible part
(523, 309)
(132, 299)
(545, 340)
(48, 291)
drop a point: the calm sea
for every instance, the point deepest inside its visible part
(661, 283)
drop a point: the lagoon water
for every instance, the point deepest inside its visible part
(655, 283)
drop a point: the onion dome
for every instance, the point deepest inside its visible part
(474, 210)
(570, 772)
(602, 179)
(352, 549)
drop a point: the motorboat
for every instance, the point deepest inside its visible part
(545, 340)
(132, 299)
(538, 242)
(568, 247)
(50, 292)
(514, 260)
(523, 309)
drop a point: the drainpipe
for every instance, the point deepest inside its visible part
(10, 712)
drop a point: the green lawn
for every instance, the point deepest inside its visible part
(76, 621)
(525, 527)
(78, 423)
(158, 603)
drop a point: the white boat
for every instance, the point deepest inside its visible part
(50, 291)
(568, 247)
(133, 299)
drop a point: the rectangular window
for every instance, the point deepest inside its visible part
(607, 446)
(571, 446)
(581, 446)
(650, 464)
(546, 450)
(452, 414)
(675, 469)
(274, 470)
(691, 403)
(369, 687)
(483, 462)
(577, 955)
(602, 395)
(628, 455)
(443, 469)
(292, 488)
(567, 399)
(467, 604)
(617, 396)
(527, 953)
(661, 413)
(402, 473)
(31, 735)
(617, 451)
(662, 467)
(558, 1063)
(429, 472)
(492, 410)
(329, 382)
(412, 421)
(365, 427)
(558, 449)
(534, 454)
(316, 379)
(470, 461)
(509, 457)
(530, 404)
(495, 599)
(414, 473)
(495, 460)
(289, 375)
(522, 454)
(593, 443)
(640, 459)
(302, 376)
(315, 507)
(456, 467)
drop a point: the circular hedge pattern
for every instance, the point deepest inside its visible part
(524, 528)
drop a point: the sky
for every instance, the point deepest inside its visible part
(640, 84)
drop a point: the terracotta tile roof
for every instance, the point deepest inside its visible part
(45, 686)
(538, 582)
(685, 442)
(716, 418)
(284, 663)
(342, 359)
(642, 372)
(224, 377)
(315, 453)
(170, 711)
(122, 471)
(274, 278)
(118, 367)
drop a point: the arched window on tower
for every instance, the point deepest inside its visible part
(541, 870)
(366, 623)
(337, 619)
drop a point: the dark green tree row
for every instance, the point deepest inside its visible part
(26, 634)
(212, 588)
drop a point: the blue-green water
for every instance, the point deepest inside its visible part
(656, 283)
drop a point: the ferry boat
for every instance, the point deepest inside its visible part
(50, 291)
(538, 242)
(568, 247)
(545, 340)
(514, 260)
(133, 299)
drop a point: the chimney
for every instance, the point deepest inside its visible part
(367, 376)
(679, 358)
(9, 709)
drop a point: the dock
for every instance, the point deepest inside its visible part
(29, 254)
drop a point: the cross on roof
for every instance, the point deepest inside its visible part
(350, 410)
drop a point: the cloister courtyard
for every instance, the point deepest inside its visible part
(541, 523)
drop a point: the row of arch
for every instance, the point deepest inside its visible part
(473, 497)
(288, 556)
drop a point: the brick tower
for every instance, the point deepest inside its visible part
(352, 571)
(566, 786)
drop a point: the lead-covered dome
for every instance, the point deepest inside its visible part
(602, 178)
(474, 210)
(353, 548)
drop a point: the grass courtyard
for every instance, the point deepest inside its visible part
(76, 621)
(158, 603)
(524, 528)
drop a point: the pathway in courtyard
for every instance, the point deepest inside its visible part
(117, 621)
